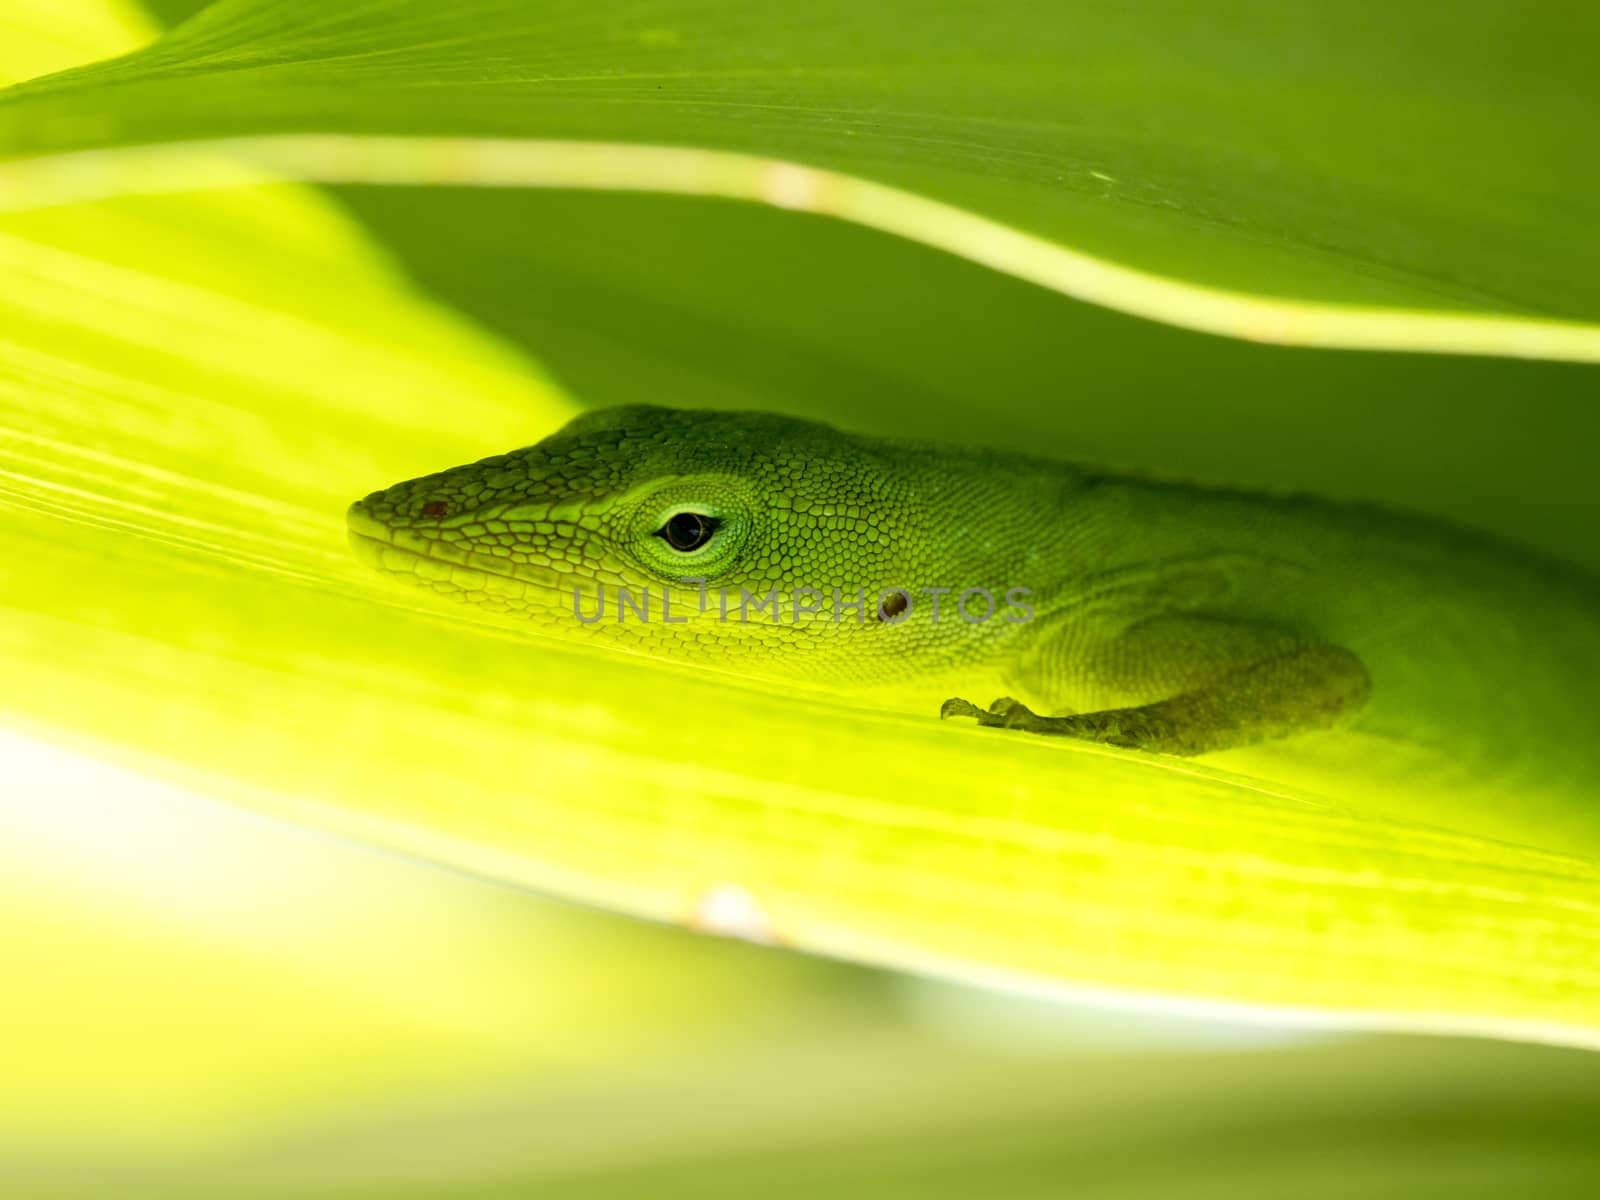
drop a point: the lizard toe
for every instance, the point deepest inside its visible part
(957, 707)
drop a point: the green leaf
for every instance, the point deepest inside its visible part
(41, 36)
(190, 399)
(889, 1116)
(1384, 1119)
(1141, 158)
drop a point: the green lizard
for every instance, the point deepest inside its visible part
(1292, 638)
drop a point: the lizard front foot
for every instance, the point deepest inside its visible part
(1123, 727)
(1004, 713)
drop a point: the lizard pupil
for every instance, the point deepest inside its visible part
(687, 531)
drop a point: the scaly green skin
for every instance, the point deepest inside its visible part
(1386, 660)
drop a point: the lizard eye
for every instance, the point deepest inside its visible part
(687, 531)
(434, 509)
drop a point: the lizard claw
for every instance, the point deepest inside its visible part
(956, 707)
(1004, 713)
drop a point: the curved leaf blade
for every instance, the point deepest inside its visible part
(1330, 168)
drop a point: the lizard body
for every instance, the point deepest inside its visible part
(1377, 657)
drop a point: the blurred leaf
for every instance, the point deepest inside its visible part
(884, 1117)
(173, 12)
(41, 36)
(183, 977)
(1382, 1119)
(1268, 149)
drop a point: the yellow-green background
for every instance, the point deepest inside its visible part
(197, 999)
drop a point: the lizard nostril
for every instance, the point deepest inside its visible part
(434, 509)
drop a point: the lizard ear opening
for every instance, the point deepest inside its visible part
(892, 605)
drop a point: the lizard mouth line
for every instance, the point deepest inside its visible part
(377, 552)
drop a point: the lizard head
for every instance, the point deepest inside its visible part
(716, 512)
